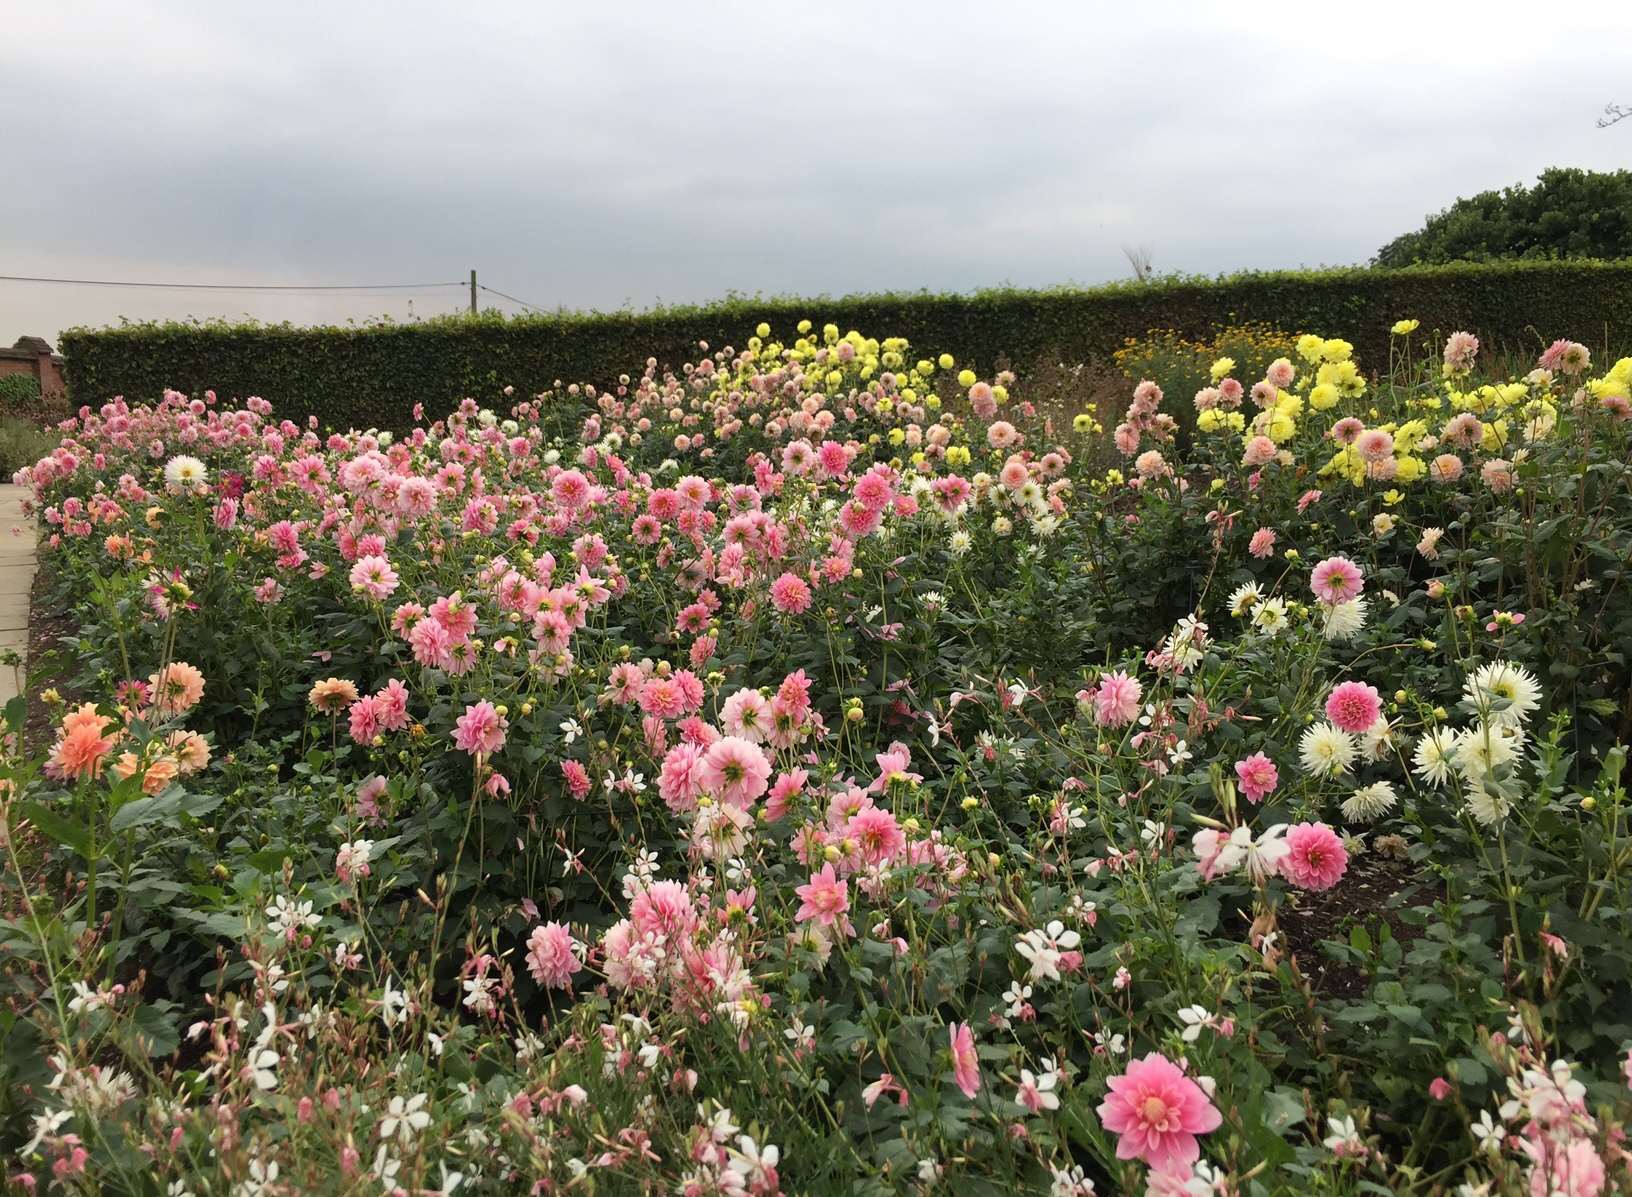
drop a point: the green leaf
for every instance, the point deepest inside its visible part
(63, 830)
(1283, 1108)
(155, 1030)
(141, 812)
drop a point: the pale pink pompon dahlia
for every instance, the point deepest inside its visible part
(1354, 706)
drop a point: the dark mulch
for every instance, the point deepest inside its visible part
(1374, 893)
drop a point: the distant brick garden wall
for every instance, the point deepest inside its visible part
(32, 358)
(373, 375)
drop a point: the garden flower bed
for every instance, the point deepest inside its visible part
(817, 770)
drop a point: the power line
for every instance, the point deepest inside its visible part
(91, 282)
(513, 299)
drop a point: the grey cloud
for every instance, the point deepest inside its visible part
(596, 156)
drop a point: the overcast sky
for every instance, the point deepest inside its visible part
(602, 155)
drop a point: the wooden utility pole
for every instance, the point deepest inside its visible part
(472, 292)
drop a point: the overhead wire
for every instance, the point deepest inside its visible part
(89, 282)
(532, 307)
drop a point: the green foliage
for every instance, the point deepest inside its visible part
(18, 389)
(22, 443)
(1569, 213)
(372, 375)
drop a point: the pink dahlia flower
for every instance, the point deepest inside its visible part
(1336, 580)
(1116, 702)
(1354, 706)
(551, 956)
(1157, 1112)
(480, 730)
(1316, 858)
(825, 898)
(735, 771)
(1258, 776)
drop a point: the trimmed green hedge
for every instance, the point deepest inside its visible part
(373, 374)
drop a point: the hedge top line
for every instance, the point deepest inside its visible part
(374, 374)
(1172, 287)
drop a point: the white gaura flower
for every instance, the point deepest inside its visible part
(1325, 751)
(1488, 1133)
(261, 1181)
(1112, 1045)
(46, 1124)
(1043, 947)
(262, 1068)
(405, 1118)
(1070, 1181)
(284, 916)
(1219, 855)
(386, 1167)
(1370, 803)
(85, 998)
(571, 730)
(1016, 995)
(754, 1164)
(1344, 1134)
(450, 1180)
(1505, 694)
(1036, 1093)
(1194, 1020)
(393, 1005)
(479, 995)
(1264, 855)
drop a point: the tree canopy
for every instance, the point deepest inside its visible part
(1569, 213)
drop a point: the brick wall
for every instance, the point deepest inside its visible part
(33, 356)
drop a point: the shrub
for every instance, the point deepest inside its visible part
(19, 390)
(22, 443)
(1569, 213)
(373, 375)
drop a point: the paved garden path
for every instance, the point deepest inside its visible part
(16, 580)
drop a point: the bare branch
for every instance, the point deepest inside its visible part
(1139, 258)
(1613, 114)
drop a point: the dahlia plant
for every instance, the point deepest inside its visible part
(808, 771)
